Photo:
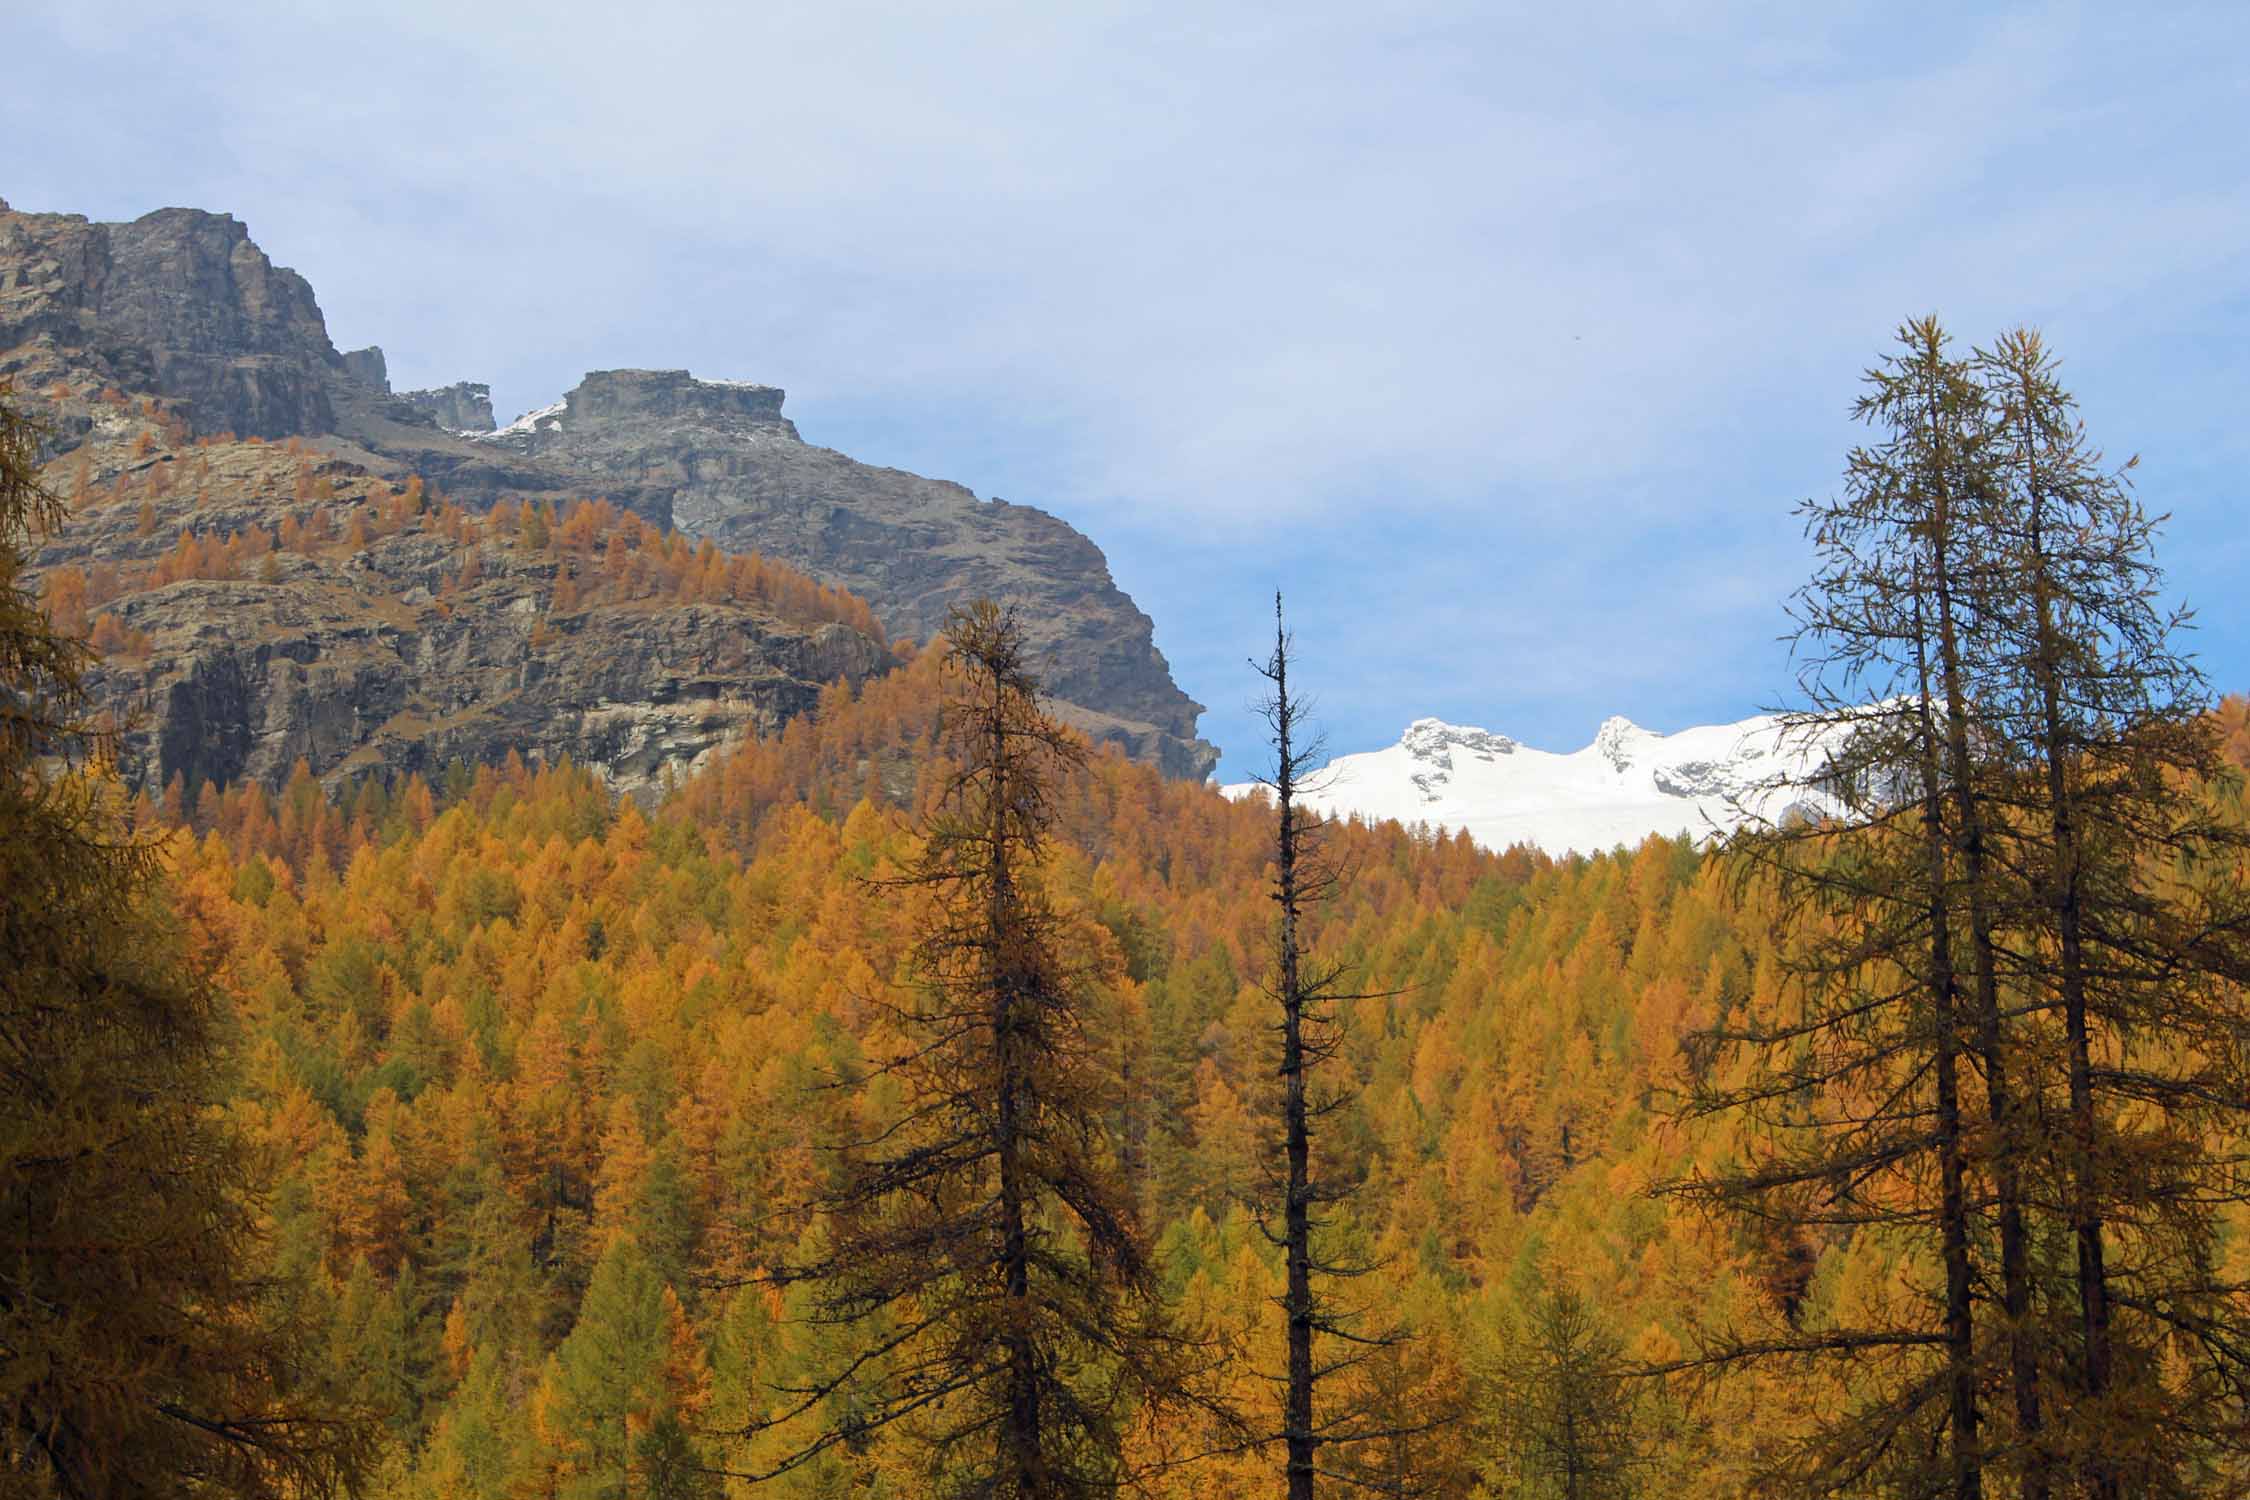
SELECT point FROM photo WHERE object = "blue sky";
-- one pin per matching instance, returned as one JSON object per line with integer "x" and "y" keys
{"x": 1502, "y": 338}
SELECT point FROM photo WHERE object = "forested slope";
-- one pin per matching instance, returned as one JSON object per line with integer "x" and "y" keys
{"x": 545, "y": 1075}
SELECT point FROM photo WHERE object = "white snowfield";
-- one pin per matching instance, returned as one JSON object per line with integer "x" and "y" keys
{"x": 1629, "y": 783}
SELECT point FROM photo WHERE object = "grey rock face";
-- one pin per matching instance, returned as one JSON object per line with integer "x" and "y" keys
{"x": 415, "y": 648}
{"x": 368, "y": 368}
{"x": 718, "y": 459}
{"x": 178, "y": 304}
{"x": 464, "y": 406}
{"x": 672, "y": 396}
{"x": 243, "y": 678}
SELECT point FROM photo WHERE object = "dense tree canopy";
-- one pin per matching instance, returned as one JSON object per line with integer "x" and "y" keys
{"x": 503, "y": 1115}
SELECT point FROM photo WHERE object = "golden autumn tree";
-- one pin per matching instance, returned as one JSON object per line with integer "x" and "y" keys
{"x": 140, "y": 1351}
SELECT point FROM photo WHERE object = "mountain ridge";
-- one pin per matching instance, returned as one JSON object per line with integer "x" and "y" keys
{"x": 180, "y": 307}
{"x": 1626, "y": 784}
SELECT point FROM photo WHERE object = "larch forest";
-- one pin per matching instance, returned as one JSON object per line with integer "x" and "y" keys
{"x": 921, "y": 1101}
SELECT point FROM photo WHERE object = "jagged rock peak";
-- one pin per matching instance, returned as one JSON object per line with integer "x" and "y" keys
{"x": 463, "y": 407}
{"x": 178, "y": 304}
{"x": 368, "y": 367}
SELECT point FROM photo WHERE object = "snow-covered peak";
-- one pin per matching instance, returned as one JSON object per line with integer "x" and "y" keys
{"x": 1628, "y": 783}
{"x": 1620, "y": 741}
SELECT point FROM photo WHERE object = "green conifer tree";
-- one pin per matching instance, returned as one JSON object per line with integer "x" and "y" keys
{"x": 605, "y": 1384}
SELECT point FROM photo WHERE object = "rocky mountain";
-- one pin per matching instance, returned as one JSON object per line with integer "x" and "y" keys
{"x": 1629, "y": 783}
{"x": 720, "y": 460}
{"x": 178, "y": 304}
{"x": 181, "y": 308}
{"x": 464, "y": 407}
{"x": 259, "y": 603}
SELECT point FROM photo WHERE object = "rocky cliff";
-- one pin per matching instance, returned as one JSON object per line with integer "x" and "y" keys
{"x": 182, "y": 308}
{"x": 720, "y": 460}
{"x": 178, "y": 304}
{"x": 259, "y": 603}
{"x": 462, "y": 407}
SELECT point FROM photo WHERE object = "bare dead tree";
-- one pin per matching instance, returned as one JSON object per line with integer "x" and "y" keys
{"x": 1325, "y": 1337}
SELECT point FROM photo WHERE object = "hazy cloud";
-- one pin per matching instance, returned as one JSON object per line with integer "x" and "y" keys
{"x": 1503, "y": 337}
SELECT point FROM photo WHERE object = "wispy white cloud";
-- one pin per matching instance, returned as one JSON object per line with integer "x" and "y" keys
{"x": 1523, "y": 324}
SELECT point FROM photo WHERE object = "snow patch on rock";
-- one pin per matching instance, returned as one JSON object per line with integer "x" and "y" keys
{"x": 1431, "y": 743}
{"x": 545, "y": 418}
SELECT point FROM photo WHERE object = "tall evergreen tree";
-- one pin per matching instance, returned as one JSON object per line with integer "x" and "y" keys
{"x": 1566, "y": 1415}
{"x": 986, "y": 1242}
{"x": 608, "y": 1403}
{"x": 1859, "y": 1086}
{"x": 1933, "y": 396}
{"x": 2131, "y": 934}
{"x": 1992, "y": 656}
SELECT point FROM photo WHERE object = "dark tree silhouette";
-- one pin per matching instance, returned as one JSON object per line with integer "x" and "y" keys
{"x": 2130, "y": 932}
{"x": 1325, "y": 1338}
{"x": 2029, "y": 812}
{"x": 985, "y": 1246}
{"x": 141, "y": 1350}
{"x": 1859, "y": 1084}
